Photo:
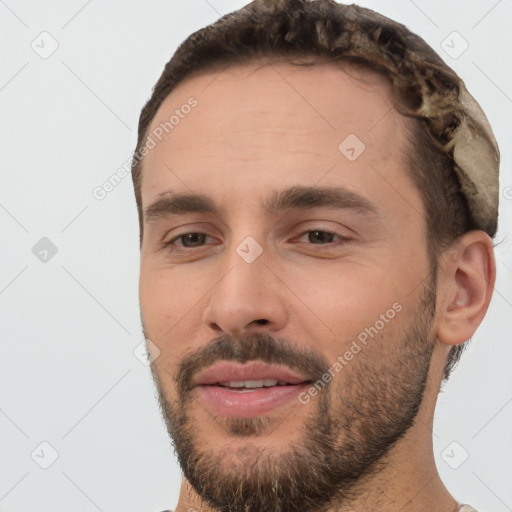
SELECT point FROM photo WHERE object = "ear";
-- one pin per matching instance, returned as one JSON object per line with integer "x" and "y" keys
{"x": 467, "y": 273}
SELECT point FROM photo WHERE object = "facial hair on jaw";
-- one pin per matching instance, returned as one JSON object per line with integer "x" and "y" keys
{"x": 357, "y": 420}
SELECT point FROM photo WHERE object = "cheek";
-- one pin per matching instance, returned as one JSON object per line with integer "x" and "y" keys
{"x": 345, "y": 294}
{"x": 166, "y": 293}
{"x": 159, "y": 305}
{"x": 170, "y": 306}
{"x": 354, "y": 304}
{"x": 154, "y": 298}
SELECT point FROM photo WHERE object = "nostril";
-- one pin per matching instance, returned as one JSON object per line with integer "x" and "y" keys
{"x": 262, "y": 321}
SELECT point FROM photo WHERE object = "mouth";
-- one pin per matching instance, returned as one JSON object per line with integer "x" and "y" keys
{"x": 248, "y": 390}
{"x": 252, "y": 385}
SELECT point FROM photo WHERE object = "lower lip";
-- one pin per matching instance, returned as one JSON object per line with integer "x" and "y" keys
{"x": 225, "y": 402}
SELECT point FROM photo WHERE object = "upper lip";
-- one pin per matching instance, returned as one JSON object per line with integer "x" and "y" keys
{"x": 227, "y": 371}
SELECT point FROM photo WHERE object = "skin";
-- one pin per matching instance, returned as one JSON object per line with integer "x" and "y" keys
{"x": 258, "y": 128}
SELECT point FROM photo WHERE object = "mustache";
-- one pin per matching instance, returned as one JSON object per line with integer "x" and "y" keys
{"x": 251, "y": 347}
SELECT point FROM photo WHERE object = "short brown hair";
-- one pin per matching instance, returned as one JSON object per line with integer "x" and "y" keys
{"x": 425, "y": 87}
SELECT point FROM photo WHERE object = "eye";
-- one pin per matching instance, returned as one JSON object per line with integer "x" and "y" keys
{"x": 190, "y": 240}
{"x": 315, "y": 237}
{"x": 324, "y": 236}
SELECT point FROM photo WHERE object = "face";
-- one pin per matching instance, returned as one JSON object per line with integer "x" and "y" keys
{"x": 290, "y": 298}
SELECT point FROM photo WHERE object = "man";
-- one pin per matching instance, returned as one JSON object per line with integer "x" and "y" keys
{"x": 317, "y": 194}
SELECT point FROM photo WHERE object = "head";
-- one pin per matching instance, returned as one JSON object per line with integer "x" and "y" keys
{"x": 291, "y": 119}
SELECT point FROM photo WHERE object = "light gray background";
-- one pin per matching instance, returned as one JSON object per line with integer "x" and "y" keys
{"x": 69, "y": 326}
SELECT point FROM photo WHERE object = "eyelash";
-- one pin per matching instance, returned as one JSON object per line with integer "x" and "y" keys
{"x": 343, "y": 239}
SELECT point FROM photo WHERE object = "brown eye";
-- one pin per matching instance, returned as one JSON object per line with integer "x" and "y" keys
{"x": 322, "y": 236}
{"x": 189, "y": 240}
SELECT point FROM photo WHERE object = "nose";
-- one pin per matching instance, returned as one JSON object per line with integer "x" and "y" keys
{"x": 247, "y": 297}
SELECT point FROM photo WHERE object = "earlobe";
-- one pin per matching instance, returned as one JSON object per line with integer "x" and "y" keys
{"x": 467, "y": 279}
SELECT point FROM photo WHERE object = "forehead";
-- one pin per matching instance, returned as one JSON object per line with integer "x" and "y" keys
{"x": 274, "y": 121}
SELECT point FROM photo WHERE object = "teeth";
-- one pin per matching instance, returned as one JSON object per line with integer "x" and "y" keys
{"x": 252, "y": 383}
{"x": 233, "y": 384}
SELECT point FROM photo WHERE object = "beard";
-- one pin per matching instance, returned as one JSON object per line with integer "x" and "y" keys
{"x": 353, "y": 423}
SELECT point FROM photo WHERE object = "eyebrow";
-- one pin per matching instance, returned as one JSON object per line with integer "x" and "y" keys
{"x": 298, "y": 197}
